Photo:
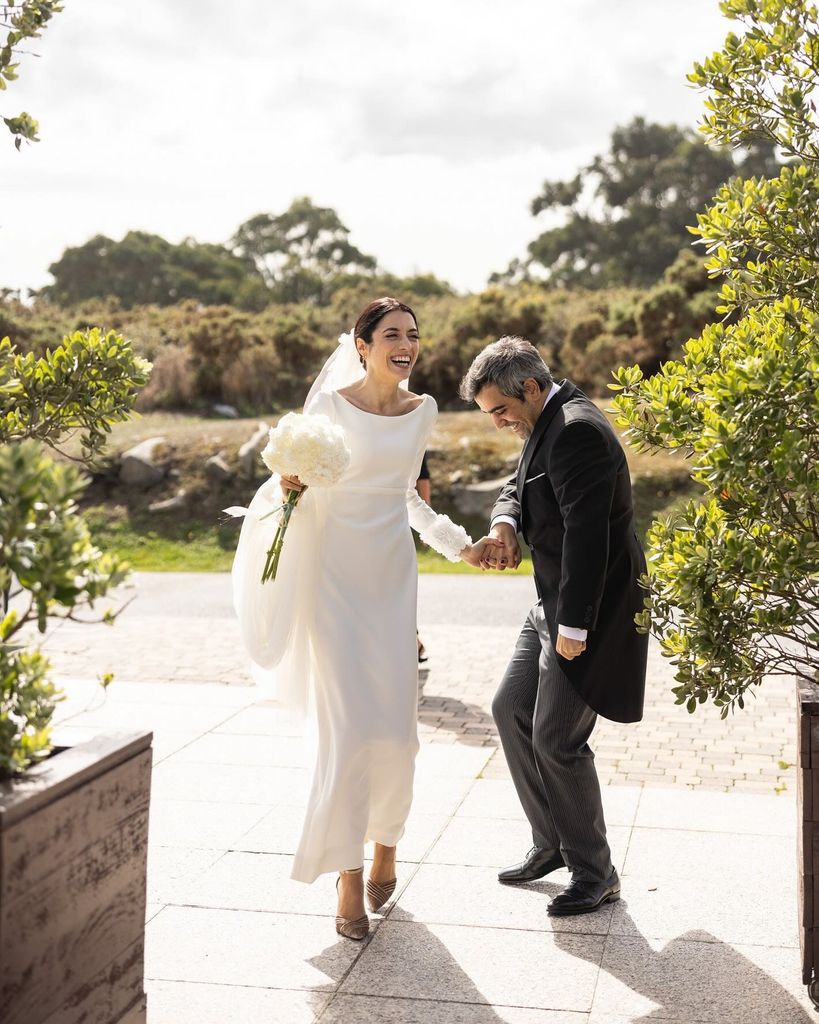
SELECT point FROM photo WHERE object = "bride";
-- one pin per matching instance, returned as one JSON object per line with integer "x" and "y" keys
{"x": 342, "y": 608}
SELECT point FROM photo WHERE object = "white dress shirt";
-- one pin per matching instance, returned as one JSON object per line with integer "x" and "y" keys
{"x": 570, "y": 632}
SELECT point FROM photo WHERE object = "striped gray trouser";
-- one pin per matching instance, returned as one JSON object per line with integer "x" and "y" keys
{"x": 544, "y": 727}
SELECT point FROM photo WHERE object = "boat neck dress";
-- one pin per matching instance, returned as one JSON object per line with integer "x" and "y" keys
{"x": 361, "y": 630}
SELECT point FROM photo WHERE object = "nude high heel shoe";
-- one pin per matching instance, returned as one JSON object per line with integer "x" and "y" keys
{"x": 358, "y": 929}
{"x": 379, "y": 892}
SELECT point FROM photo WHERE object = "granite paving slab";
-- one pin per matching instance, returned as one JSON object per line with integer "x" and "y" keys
{"x": 497, "y": 798}
{"x": 172, "y": 868}
{"x": 447, "y": 894}
{"x": 280, "y": 829}
{"x": 233, "y": 748}
{"x": 376, "y": 1010}
{"x": 177, "y": 779}
{"x": 499, "y": 843}
{"x": 708, "y": 811}
{"x": 245, "y": 947}
{"x": 263, "y": 718}
{"x": 173, "y": 1002}
{"x": 213, "y": 824}
{"x": 478, "y": 965}
{"x": 439, "y": 794}
{"x": 719, "y": 903}
{"x": 261, "y": 882}
{"x": 684, "y": 856}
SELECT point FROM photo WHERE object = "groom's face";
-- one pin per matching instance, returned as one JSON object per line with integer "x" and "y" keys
{"x": 508, "y": 413}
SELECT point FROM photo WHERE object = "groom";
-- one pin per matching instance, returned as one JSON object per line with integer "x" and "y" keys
{"x": 579, "y": 653}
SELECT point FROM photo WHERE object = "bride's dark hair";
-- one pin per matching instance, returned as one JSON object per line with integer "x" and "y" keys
{"x": 375, "y": 313}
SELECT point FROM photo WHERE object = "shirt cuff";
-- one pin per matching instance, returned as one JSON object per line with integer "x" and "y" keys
{"x": 504, "y": 519}
{"x": 572, "y": 633}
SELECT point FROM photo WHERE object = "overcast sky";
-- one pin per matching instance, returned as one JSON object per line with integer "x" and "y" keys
{"x": 429, "y": 126}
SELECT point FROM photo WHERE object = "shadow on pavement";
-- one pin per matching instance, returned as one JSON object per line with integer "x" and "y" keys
{"x": 424, "y": 962}
{"x": 692, "y": 977}
{"x": 469, "y": 723}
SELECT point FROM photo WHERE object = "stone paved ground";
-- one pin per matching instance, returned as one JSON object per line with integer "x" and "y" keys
{"x": 179, "y": 628}
{"x": 706, "y": 930}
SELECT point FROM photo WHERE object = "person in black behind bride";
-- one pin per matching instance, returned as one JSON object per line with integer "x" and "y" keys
{"x": 424, "y": 487}
{"x": 579, "y": 653}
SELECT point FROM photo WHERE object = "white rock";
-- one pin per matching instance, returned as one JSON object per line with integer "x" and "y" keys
{"x": 138, "y": 467}
{"x": 477, "y": 499}
{"x": 169, "y": 504}
{"x": 249, "y": 462}
{"x": 225, "y": 410}
{"x": 217, "y": 469}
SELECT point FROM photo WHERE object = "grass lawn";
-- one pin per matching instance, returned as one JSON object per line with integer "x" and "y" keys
{"x": 196, "y": 548}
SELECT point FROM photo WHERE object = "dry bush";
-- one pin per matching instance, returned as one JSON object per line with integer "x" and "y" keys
{"x": 252, "y": 382}
{"x": 172, "y": 384}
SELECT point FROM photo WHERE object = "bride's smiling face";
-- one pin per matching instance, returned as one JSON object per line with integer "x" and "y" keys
{"x": 393, "y": 351}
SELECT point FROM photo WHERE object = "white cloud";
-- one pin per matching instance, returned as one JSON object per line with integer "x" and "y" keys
{"x": 429, "y": 127}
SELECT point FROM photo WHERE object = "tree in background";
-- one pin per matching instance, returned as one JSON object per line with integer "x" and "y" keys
{"x": 143, "y": 268}
{"x": 24, "y": 21}
{"x": 302, "y": 253}
{"x": 301, "y": 256}
{"x": 643, "y": 326}
{"x": 628, "y": 211}
{"x": 733, "y": 590}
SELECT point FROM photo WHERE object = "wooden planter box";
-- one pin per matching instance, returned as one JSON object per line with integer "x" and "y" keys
{"x": 807, "y": 754}
{"x": 73, "y": 858}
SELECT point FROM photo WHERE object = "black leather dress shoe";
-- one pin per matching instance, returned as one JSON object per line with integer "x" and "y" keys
{"x": 583, "y": 897}
{"x": 536, "y": 864}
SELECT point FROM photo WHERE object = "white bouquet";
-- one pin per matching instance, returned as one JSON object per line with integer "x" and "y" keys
{"x": 312, "y": 448}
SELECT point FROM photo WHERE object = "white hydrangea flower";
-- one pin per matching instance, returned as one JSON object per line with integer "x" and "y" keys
{"x": 313, "y": 448}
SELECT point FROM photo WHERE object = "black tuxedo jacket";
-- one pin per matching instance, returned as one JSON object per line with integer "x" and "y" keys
{"x": 571, "y": 497}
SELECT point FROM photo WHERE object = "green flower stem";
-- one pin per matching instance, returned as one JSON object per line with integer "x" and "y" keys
{"x": 271, "y": 565}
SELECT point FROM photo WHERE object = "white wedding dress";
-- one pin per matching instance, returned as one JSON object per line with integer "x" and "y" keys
{"x": 342, "y": 611}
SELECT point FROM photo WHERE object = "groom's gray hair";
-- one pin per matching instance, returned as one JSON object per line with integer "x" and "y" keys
{"x": 506, "y": 363}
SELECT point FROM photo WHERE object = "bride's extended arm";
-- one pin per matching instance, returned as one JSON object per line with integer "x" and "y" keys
{"x": 438, "y": 531}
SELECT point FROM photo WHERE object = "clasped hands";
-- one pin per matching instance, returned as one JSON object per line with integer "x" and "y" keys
{"x": 500, "y": 550}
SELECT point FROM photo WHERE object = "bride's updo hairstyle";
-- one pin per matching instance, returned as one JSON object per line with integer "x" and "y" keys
{"x": 374, "y": 314}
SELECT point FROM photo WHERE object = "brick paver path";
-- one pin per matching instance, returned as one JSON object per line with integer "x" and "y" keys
{"x": 180, "y": 628}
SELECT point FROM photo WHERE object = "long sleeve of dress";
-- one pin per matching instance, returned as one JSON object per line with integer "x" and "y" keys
{"x": 437, "y": 530}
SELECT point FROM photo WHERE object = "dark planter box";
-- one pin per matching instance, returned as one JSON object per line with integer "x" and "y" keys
{"x": 73, "y": 859}
{"x": 807, "y": 768}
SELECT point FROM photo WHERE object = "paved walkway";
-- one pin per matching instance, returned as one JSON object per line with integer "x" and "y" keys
{"x": 706, "y": 929}
{"x": 180, "y": 628}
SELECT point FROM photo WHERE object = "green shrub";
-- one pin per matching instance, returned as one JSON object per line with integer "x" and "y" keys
{"x": 733, "y": 590}
{"x": 48, "y": 565}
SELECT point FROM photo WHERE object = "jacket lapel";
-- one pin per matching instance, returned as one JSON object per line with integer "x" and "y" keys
{"x": 567, "y": 391}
